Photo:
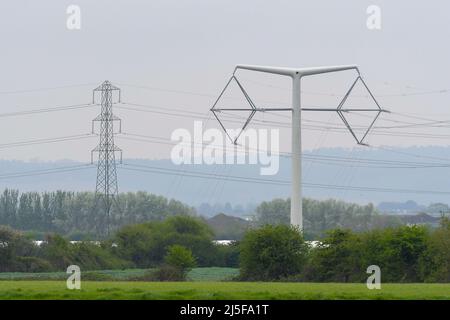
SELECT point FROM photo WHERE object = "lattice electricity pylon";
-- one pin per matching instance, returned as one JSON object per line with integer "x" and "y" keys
{"x": 296, "y": 75}
{"x": 106, "y": 190}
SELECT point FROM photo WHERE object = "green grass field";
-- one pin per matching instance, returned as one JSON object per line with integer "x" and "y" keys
{"x": 196, "y": 274}
{"x": 21, "y": 289}
{"x": 204, "y": 283}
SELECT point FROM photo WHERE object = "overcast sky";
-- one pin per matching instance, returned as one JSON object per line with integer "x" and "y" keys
{"x": 189, "y": 49}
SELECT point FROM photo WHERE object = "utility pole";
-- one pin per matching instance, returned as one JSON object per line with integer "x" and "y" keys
{"x": 106, "y": 190}
{"x": 296, "y": 74}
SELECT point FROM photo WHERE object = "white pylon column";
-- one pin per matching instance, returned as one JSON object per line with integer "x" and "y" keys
{"x": 296, "y": 193}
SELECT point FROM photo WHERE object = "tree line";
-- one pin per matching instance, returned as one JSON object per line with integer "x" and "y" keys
{"x": 75, "y": 213}
{"x": 319, "y": 216}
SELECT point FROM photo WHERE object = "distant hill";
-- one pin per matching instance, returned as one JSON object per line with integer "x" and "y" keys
{"x": 409, "y": 207}
{"x": 400, "y": 207}
{"x": 420, "y": 219}
{"x": 228, "y": 227}
{"x": 361, "y": 167}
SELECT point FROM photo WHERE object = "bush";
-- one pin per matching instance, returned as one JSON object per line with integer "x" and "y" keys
{"x": 180, "y": 257}
{"x": 138, "y": 243}
{"x": 13, "y": 245}
{"x": 167, "y": 273}
{"x": 90, "y": 256}
{"x": 58, "y": 251}
{"x": 146, "y": 244}
{"x": 33, "y": 264}
{"x": 227, "y": 255}
{"x": 272, "y": 253}
{"x": 337, "y": 259}
{"x": 192, "y": 233}
{"x": 344, "y": 255}
{"x": 397, "y": 251}
{"x": 435, "y": 263}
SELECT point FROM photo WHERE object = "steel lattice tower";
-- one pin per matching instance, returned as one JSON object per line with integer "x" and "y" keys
{"x": 106, "y": 190}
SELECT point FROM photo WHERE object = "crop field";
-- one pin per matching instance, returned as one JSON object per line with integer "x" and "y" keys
{"x": 36, "y": 289}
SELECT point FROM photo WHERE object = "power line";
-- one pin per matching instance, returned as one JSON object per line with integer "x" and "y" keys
{"x": 314, "y": 158}
{"x": 159, "y": 170}
{"x": 429, "y": 122}
{"x": 46, "y": 110}
{"x": 335, "y": 128}
{"x": 45, "y": 171}
{"x": 192, "y": 114}
{"x": 410, "y": 154}
{"x": 184, "y": 112}
{"x": 400, "y": 94}
{"x": 45, "y": 89}
{"x": 345, "y": 161}
{"x": 331, "y": 94}
{"x": 45, "y": 140}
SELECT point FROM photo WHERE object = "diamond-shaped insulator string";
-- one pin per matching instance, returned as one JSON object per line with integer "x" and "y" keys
{"x": 343, "y": 112}
{"x": 218, "y": 110}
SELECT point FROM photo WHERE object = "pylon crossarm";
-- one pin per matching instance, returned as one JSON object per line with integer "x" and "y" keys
{"x": 291, "y": 72}
{"x": 106, "y": 85}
